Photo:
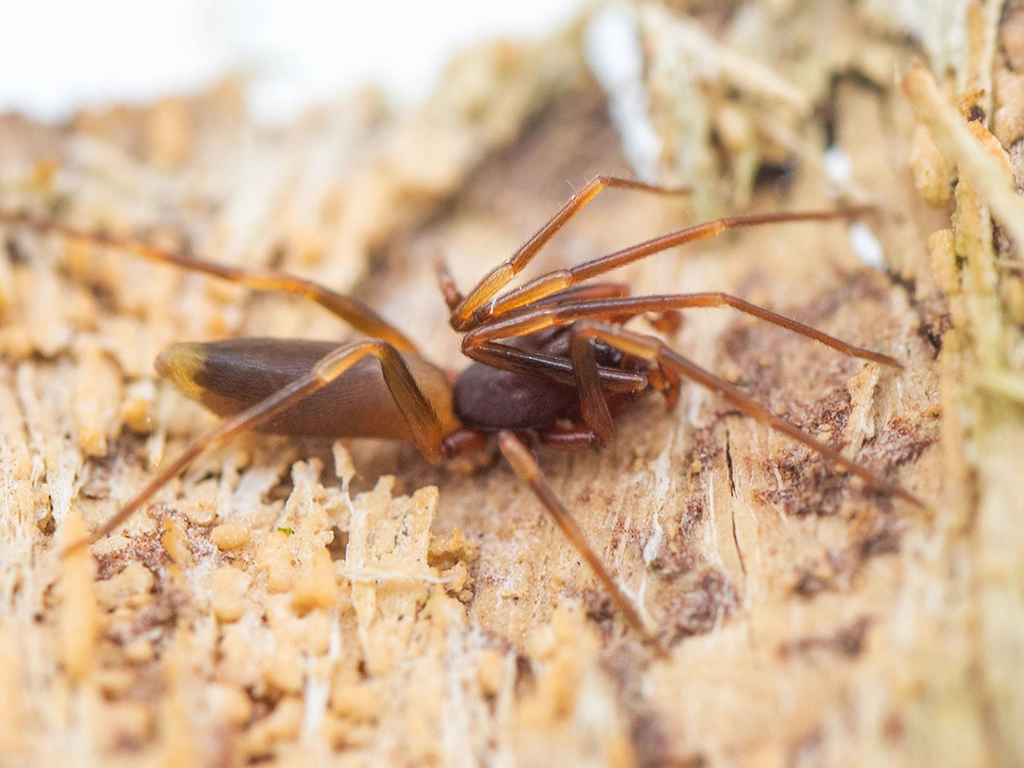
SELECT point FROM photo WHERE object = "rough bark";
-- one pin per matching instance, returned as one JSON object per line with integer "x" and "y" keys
{"x": 351, "y": 604}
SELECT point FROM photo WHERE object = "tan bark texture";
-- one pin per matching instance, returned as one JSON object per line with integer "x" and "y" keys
{"x": 298, "y": 602}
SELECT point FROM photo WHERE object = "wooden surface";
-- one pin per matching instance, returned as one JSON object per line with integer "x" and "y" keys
{"x": 307, "y": 603}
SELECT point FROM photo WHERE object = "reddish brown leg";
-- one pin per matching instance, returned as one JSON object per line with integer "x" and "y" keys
{"x": 464, "y": 441}
{"x": 558, "y": 369}
{"x": 352, "y": 311}
{"x": 593, "y": 406}
{"x": 529, "y": 320}
{"x": 594, "y": 409}
{"x": 666, "y": 381}
{"x": 591, "y": 292}
{"x": 500, "y": 276}
{"x": 572, "y": 439}
{"x": 558, "y": 280}
{"x": 446, "y": 283}
{"x": 653, "y": 349}
{"x": 422, "y": 420}
{"x": 526, "y": 468}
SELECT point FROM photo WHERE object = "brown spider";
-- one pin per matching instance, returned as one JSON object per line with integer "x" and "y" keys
{"x": 546, "y": 353}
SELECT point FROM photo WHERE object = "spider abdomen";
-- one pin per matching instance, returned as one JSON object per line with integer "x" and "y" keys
{"x": 234, "y": 374}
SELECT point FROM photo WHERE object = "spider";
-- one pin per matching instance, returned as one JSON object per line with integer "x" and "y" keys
{"x": 552, "y": 360}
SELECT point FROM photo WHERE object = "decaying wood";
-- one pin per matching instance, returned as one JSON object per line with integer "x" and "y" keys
{"x": 349, "y": 604}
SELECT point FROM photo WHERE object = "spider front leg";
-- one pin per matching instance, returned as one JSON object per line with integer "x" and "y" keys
{"x": 550, "y": 313}
{"x": 552, "y": 283}
{"x": 525, "y": 466}
{"x": 653, "y": 349}
{"x": 590, "y": 380}
{"x": 463, "y": 308}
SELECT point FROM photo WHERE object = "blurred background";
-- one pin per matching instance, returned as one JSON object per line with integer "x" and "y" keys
{"x": 292, "y": 54}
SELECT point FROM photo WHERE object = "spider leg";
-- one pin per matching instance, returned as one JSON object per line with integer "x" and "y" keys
{"x": 591, "y": 292}
{"x": 558, "y": 280}
{"x": 593, "y": 406}
{"x": 500, "y": 276}
{"x": 570, "y": 439}
{"x": 351, "y": 310}
{"x": 595, "y": 411}
{"x": 590, "y": 381}
{"x": 549, "y": 314}
{"x": 509, "y": 358}
{"x": 422, "y": 420}
{"x": 667, "y": 382}
{"x": 524, "y": 465}
{"x": 446, "y": 283}
{"x": 653, "y": 349}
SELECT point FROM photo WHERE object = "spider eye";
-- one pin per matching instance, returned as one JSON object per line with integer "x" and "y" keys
{"x": 606, "y": 355}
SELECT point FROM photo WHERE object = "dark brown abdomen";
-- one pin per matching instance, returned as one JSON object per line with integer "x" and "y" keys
{"x": 232, "y": 375}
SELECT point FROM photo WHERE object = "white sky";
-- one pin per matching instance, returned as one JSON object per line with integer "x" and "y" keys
{"x": 57, "y": 55}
